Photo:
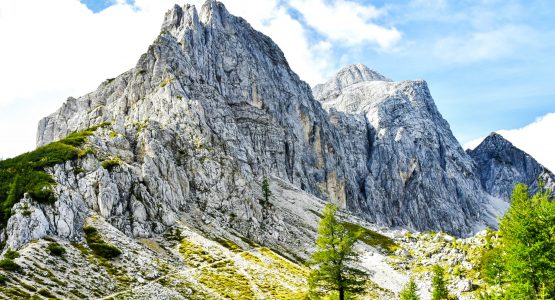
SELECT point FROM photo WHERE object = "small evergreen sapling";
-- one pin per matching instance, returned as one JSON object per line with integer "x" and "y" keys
{"x": 410, "y": 291}
{"x": 266, "y": 190}
{"x": 438, "y": 284}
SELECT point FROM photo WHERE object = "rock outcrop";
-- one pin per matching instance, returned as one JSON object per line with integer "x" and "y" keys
{"x": 501, "y": 165}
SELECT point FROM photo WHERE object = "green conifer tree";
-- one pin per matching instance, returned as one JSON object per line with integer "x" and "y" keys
{"x": 410, "y": 291}
{"x": 527, "y": 237}
{"x": 332, "y": 258}
{"x": 438, "y": 284}
{"x": 266, "y": 189}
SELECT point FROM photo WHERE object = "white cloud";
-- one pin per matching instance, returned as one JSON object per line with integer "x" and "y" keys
{"x": 55, "y": 49}
{"x": 485, "y": 45}
{"x": 346, "y": 22}
{"x": 535, "y": 139}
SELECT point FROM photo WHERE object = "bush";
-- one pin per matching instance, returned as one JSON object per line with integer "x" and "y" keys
{"x": 56, "y": 249}
{"x": 11, "y": 254}
{"x": 104, "y": 250}
{"x": 3, "y": 279}
{"x": 97, "y": 244}
{"x": 8, "y": 265}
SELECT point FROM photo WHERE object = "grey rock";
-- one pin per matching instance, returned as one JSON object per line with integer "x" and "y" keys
{"x": 501, "y": 166}
{"x": 415, "y": 174}
{"x": 464, "y": 286}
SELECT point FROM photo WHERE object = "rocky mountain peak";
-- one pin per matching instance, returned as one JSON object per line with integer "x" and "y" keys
{"x": 212, "y": 13}
{"x": 501, "y": 165}
{"x": 346, "y": 77}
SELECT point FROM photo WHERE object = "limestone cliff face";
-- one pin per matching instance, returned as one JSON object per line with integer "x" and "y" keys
{"x": 501, "y": 165}
{"x": 415, "y": 173}
{"x": 213, "y": 106}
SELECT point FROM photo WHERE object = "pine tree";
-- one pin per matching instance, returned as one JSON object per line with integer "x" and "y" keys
{"x": 333, "y": 257}
{"x": 266, "y": 189}
{"x": 526, "y": 233}
{"x": 410, "y": 291}
{"x": 438, "y": 284}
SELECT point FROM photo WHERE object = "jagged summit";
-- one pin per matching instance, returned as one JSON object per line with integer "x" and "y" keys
{"x": 187, "y": 17}
{"x": 501, "y": 165}
{"x": 346, "y": 77}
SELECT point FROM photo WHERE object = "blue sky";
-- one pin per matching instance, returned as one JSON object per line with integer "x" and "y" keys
{"x": 490, "y": 64}
{"x": 97, "y": 6}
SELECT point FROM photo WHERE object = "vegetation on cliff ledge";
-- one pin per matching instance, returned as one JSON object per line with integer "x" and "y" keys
{"x": 26, "y": 173}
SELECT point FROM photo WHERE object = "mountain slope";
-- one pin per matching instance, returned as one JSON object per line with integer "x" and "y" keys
{"x": 502, "y": 165}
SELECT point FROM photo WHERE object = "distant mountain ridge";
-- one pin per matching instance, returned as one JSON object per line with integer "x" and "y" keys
{"x": 501, "y": 165}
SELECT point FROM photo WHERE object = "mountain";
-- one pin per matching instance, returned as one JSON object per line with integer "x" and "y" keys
{"x": 152, "y": 182}
{"x": 501, "y": 165}
{"x": 213, "y": 106}
{"x": 415, "y": 173}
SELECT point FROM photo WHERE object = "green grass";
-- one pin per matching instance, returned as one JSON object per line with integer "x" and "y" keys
{"x": 373, "y": 238}
{"x": 26, "y": 173}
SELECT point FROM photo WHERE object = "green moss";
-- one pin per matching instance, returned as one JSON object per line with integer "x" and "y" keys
{"x": 56, "y": 249}
{"x": 373, "y": 238}
{"x": 109, "y": 164}
{"x": 113, "y": 134}
{"x": 11, "y": 254}
{"x": 8, "y": 265}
